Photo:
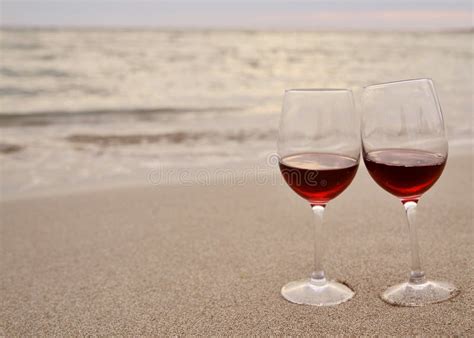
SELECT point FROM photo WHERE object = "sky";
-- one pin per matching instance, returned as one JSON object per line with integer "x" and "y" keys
{"x": 255, "y": 14}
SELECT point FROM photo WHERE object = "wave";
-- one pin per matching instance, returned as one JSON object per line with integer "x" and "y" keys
{"x": 173, "y": 137}
{"x": 43, "y": 118}
{"x": 22, "y": 46}
{"x": 16, "y": 91}
{"x": 47, "y": 72}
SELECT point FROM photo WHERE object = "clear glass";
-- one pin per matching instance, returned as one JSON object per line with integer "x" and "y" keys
{"x": 319, "y": 150}
{"x": 405, "y": 150}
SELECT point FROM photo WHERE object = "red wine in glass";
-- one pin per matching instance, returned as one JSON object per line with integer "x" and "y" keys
{"x": 318, "y": 177}
{"x": 319, "y": 149}
{"x": 405, "y": 151}
{"x": 405, "y": 173}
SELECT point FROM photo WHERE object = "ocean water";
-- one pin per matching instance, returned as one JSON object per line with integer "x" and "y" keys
{"x": 79, "y": 106}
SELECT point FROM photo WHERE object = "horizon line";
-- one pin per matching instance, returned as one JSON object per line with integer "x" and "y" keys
{"x": 466, "y": 29}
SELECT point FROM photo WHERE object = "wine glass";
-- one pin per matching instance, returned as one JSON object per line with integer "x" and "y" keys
{"x": 319, "y": 150}
{"x": 405, "y": 151}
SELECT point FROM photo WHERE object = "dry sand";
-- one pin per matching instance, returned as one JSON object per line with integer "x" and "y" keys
{"x": 203, "y": 260}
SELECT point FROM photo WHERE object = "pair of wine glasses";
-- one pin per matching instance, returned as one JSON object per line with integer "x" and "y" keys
{"x": 404, "y": 148}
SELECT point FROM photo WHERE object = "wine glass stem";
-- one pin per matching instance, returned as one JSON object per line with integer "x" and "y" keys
{"x": 417, "y": 276}
{"x": 318, "y": 277}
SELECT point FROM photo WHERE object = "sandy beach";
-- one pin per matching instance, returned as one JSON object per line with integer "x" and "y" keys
{"x": 140, "y": 189}
{"x": 175, "y": 260}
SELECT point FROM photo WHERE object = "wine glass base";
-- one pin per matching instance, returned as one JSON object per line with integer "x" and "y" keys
{"x": 308, "y": 292}
{"x": 410, "y": 294}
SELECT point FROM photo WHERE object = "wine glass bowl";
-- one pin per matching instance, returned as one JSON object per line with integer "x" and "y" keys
{"x": 318, "y": 177}
{"x": 319, "y": 147}
{"x": 405, "y": 151}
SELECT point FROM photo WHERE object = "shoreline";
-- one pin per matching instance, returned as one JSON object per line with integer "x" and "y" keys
{"x": 227, "y": 173}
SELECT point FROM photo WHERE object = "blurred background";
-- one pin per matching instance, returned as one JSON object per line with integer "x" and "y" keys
{"x": 104, "y": 92}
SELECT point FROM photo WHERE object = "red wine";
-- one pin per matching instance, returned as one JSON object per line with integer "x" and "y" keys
{"x": 405, "y": 173}
{"x": 318, "y": 177}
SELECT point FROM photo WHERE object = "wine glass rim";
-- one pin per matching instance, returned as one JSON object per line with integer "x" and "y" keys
{"x": 399, "y": 81}
{"x": 317, "y": 90}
